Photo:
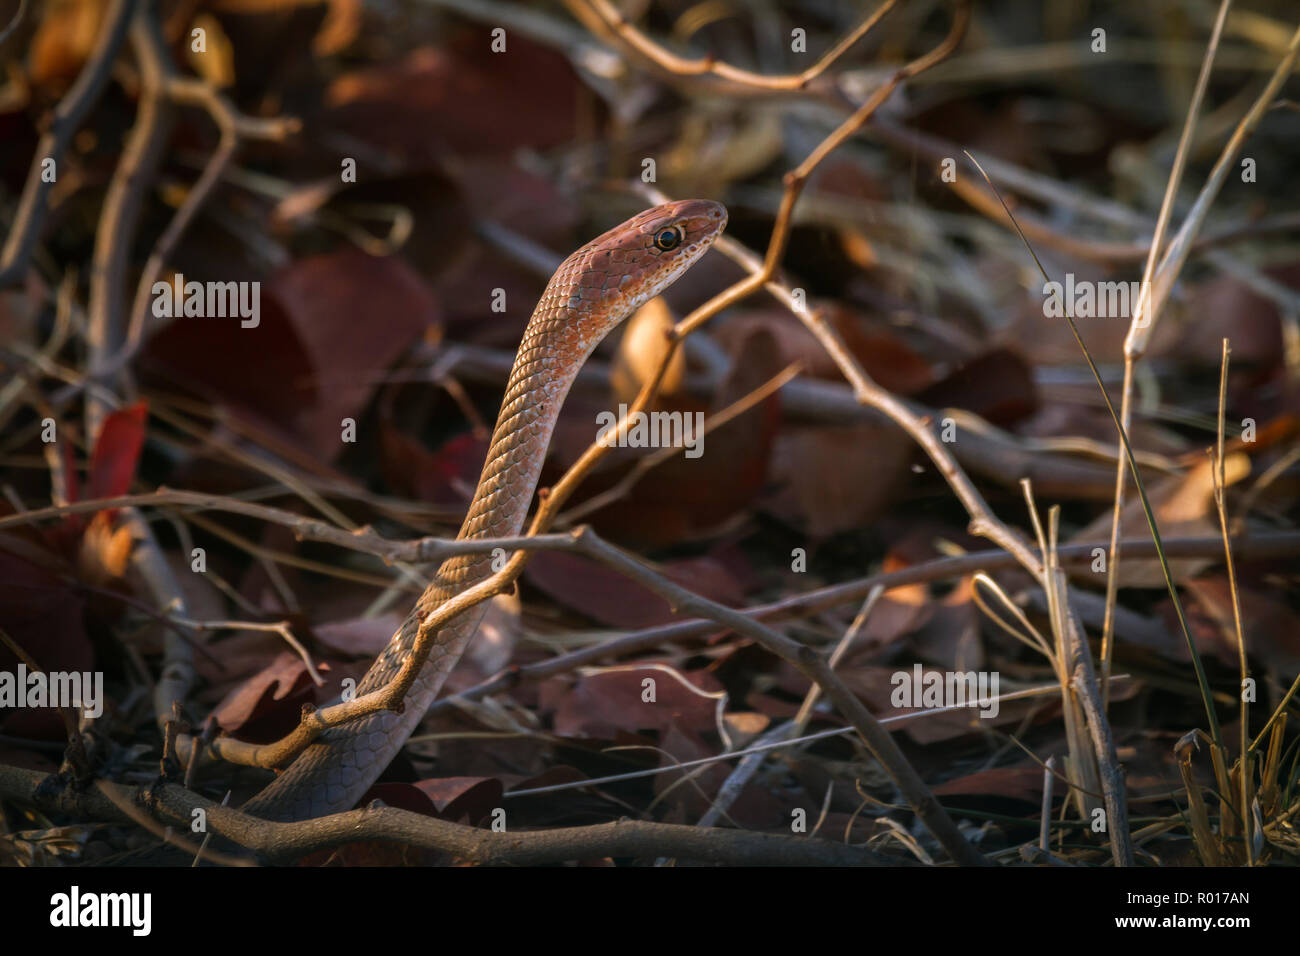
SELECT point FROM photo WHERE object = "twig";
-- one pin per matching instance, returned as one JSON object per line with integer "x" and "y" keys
{"x": 777, "y": 741}
{"x": 1112, "y": 776}
{"x": 178, "y": 670}
{"x": 283, "y": 628}
{"x": 17, "y": 20}
{"x": 795, "y": 179}
{"x": 392, "y": 695}
{"x": 603, "y": 18}
{"x": 65, "y": 712}
{"x": 646, "y": 463}
{"x": 1045, "y": 824}
{"x": 234, "y": 127}
{"x": 735, "y": 783}
{"x": 115, "y": 233}
{"x": 1144, "y": 312}
{"x": 869, "y": 394}
{"x": 1072, "y": 199}
{"x": 1116, "y": 252}
{"x": 121, "y": 800}
{"x": 980, "y": 448}
{"x": 1083, "y": 768}
{"x": 1175, "y": 256}
{"x": 1220, "y": 501}
{"x": 584, "y": 541}
{"x": 1034, "y": 854}
{"x": 1258, "y": 545}
{"x": 1157, "y": 290}
{"x": 68, "y": 116}
{"x": 285, "y": 842}
{"x": 1070, "y": 631}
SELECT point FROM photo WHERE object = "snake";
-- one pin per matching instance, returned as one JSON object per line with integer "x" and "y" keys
{"x": 590, "y": 294}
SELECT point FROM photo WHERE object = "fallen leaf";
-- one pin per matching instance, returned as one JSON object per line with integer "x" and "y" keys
{"x": 104, "y": 552}
{"x": 1271, "y": 629}
{"x": 117, "y": 451}
{"x": 601, "y": 704}
{"x": 641, "y": 350}
{"x": 273, "y": 689}
{"x": 1015, "y": 783}
{"x": 446, "y": 477}
{"x": 472, "y": 799}
{"x": 359, "y": 636}
{"x": 615, "y": 600}
{"x": 837, "y": 478}
{"x": 997, "y": 385}
{"x": 44, "y": 616}
{"x": 684, "y": 498}
{"x": 63, "y": 41}
{"x": 1183, "y": 506}
{"x": 216, "y": 61}
{"x": 876, "y": 686}
{"x": 328, "y": 300}
{"x": 453, "y": 97}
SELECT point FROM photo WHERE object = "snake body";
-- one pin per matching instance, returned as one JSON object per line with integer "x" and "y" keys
{"x": 591, "y": 292}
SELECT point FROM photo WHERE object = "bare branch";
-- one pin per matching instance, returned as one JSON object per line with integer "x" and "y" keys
{"x": 174, "y": 806}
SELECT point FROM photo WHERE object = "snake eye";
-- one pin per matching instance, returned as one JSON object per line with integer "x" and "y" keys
{"x": 667, "y": 239}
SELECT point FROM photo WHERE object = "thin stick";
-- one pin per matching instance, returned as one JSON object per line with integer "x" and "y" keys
{"x": 1220, "y": 501}
{"x": 68, "y": 116}
{"x": 1142, "y": 315}
{"x": 604, "y": 18}
{"x": 174, "y": 806}
{"x": 1045, "y": 819}
{"x": 1201, "y": 679}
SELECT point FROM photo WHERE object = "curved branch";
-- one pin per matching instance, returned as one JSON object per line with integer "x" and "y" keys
{"x": 602, "y": 17}
{"x": 174, "y": 806}
{"x": 68, "y": 116}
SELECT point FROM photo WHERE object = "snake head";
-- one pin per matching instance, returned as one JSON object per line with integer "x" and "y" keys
{"x": 604, "y": 281}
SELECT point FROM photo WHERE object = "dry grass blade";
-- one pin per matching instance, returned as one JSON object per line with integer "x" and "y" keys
{"x": 1201, "y": 680}
{"x": 1144, "y": 313}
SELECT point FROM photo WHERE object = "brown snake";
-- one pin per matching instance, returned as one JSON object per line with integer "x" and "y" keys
{"x": 591, "y": 292}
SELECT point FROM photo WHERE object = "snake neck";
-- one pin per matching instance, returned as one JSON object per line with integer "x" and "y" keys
{"x": 539, "y": 382}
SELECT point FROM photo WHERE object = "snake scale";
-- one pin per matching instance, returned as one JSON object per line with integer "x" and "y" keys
{"x": 592, "y": 291}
